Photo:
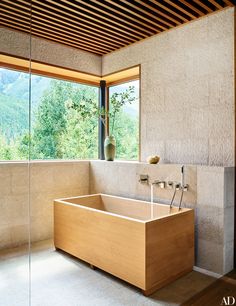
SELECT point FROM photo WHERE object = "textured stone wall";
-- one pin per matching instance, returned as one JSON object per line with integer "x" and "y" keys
{"x": 211, "y": 193}
{"x": 48, "y": 181}
{"x": 187, "y": 91}
{"x": 18, "y": 44}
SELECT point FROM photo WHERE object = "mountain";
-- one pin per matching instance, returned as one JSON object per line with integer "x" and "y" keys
{"x": 14, "y": 100}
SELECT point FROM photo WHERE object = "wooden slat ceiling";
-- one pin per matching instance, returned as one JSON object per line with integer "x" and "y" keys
{"x": 102, "y": 26}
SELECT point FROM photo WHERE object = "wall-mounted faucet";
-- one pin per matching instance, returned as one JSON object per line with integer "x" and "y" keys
{"x": 144, "y": 179}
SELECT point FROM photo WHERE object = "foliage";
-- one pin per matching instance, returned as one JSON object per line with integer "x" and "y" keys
{"x": 117, "y": 102}
{"x": 8, "y": 151}
{"x": 126, "y": 132}
{"x": 87, "y": 108}
{"x": 13, "y": 120}
{"x": 64, "y": 122}
{"x": 50, "y": 122}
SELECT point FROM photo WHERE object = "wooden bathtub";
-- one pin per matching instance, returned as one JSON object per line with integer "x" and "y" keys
{"x": 118, "y": 235}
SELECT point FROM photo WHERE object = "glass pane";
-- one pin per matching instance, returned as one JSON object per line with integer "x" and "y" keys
{"x": 14, "y": 188}
{"x": 14, "y": 115}
{"x": 124, "y": 122}
{"x": 58, "y": 130}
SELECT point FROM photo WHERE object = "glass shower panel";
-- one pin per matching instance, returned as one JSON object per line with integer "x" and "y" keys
{"x": 14, "y": 161}
{"x": 14, "y": 187}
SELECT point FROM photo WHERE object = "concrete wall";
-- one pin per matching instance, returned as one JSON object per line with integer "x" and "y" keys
{"x": 48, "y": 181}
{"x": 187, "y": 91}
{"x": 210, "y": 194}
{"x": 18, "y": 44}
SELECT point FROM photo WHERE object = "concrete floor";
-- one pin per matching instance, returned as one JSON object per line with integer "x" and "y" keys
{"x": 58, "y": 279}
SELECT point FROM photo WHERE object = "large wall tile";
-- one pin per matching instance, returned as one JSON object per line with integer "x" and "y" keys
{"x": 210, "y": 186}
{"x": 209, "y": 256}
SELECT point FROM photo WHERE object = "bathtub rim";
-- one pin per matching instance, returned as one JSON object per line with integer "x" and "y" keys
{"x": 182, "y": 211}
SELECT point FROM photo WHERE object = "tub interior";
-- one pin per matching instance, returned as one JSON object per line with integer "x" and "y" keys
{"x": 125, "y": 207}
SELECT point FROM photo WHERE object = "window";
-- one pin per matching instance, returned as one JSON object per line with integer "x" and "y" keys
{"x": 57, "y": 129}
{"x": 125, "y": 126}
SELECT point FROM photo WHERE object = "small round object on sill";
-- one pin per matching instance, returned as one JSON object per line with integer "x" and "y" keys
{"x": 153, "y": 159}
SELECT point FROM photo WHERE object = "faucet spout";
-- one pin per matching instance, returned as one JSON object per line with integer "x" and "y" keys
{"x": 161, "y": 184}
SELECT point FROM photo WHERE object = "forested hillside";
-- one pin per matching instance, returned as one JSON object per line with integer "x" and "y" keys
{"x": 14, "y": 100}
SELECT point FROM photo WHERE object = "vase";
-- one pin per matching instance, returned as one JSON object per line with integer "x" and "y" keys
{"x": 110, "y": 148}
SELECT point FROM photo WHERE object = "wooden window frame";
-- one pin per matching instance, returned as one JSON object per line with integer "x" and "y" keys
{"x": 67, "y": 74}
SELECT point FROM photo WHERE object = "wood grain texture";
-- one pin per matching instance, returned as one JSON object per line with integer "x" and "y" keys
{"x": 169, "y": 248}
{"x": 103, "y": 26}
{"x": 116, "y": 235}
{"x": 115, "y": 245}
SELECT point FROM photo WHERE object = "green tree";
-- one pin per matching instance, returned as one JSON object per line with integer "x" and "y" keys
{"x": 50, "y": 122}
{"x": 58, "y": 132}
{"x": 8, "y": 150}
{"x": 126, "y": 132}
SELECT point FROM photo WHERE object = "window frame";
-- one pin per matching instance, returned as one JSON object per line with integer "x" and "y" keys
{"x": 67, "y": 74}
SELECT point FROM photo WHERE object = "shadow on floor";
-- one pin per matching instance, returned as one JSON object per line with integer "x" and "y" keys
{"x": 213, "y": 295}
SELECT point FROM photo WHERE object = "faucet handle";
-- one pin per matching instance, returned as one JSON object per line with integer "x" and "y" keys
{"x": 173, "y": 185}
{"x": 143, "y": 178}
{"x": 178, "y": 186}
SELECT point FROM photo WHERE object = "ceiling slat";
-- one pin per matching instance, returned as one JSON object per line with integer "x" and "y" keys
{"x": 107, "y": 6}
{"x": 36, "y": 19}
{"x": 119, "y": 5}
{"x": 65, "y": 20}
{"x": 55, "y": 29}
{"x": 100, "y": 10}
{"x": 107, "y": 22}
{"x": 170, "y": 10}
{"x": 119, "y": 32}
{"x": 207, "y": 8}
{"x": 178, "y": 7}
{"x": 193, "y": 8}
{"x": 102, "y": 26}
{"x": 216, "y": 4}
{"x": 229, "y": 3}
{"x": 145, "y": 12}
{"x": 70, "y": 24}
{"x": 107, "y": 18}
{"x": 158, "y": 12}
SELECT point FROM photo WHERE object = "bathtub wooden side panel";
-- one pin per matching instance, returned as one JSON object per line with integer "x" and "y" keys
{"x": 113, "y": 244}
{"x": 169, "y": 249}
